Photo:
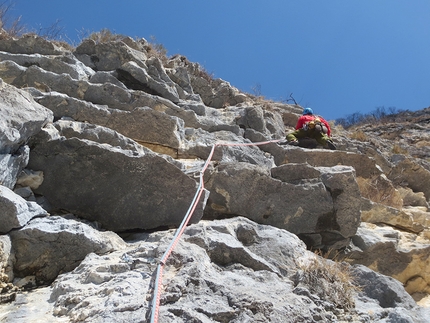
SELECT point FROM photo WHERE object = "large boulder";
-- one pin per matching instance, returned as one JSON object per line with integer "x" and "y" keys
{"x": 215, "y": 93}
{"x": 380, "y": 189}
{"x": 363, "y": 165}
{"x": 10, "y": 70}
{"x": 322, "y": 205}
{"x": 120, "y": 189}
{"x": 47, "y": 247}
{"x": 93, "y": 132}
{"x": 160, "y": 128}
{"x": 11, "y": 166}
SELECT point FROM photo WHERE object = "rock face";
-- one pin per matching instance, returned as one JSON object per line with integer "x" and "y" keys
{"x": 224, "y": 271}
{"x": 110, "y": 138}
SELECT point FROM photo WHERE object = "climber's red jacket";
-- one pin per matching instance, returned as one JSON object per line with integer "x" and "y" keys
{"x": 309, "y": 117}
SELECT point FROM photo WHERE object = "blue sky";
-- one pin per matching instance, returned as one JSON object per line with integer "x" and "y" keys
{"x": 335, "y": 56}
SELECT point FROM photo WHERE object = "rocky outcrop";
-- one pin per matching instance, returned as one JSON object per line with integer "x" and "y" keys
{"x": 109, "y": 137}
{"x": 224, "y": 271}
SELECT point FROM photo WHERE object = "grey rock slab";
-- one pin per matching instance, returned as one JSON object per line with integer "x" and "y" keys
{"x": 139, "y": 78}
{"x": 364, "y": 166}
{"x": 30, "y": 44}
{"x": 323, "y": 207}
{"x": 108, "y": 56}
{"x": 387, "y": 291}
{"x": 47, "y": 247}
{"x": 120, "y": 189}
{"x": 11, "y": 166}
{"x": 58, "y": 64}
{"x": 20, "y": 117}
{"x": 15, "y": 212}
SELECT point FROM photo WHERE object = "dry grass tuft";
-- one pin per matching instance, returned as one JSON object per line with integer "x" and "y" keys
{"x": 330, "y": 280}
{"x": 397, "y": 149}
{"x": 359, "y": 135}
{"x": 157, "y": 50}
{"x": 104, "y": 36}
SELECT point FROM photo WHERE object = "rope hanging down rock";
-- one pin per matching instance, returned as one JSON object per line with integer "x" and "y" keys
{"x": 159, "y": 276}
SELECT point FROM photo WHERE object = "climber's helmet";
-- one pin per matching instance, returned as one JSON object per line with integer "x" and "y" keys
{"x": 308, "y": 111}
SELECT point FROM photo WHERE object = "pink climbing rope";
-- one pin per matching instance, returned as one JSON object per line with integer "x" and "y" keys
{"x": 159, "y": 277}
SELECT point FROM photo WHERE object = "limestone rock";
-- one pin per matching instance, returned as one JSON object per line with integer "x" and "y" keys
{"x": 215, "y": 93}
{"x": 409, "y": 219}
{"x": 99, "y": 134}
{"x": 132, "y": 132}
{"x": 317, "y": 208}
{"x": 30, "y": 44}
{"x": 363, "y": 165}
{"x": 9, "y": 71}
{"x": 149, "y": 192}
{"x": 226, "y": 271}
{"x": 380, "y": 189}
{"x": 401, "y": 255}
{"x": 102, "y": 77}
{"x": 159, "y": 128}
{"x": 47, "y": 247}
{"x": 411, "y": 198}
{"x": 59, "y": 64}
{"x": 388, "y": 292}
{"x": 108, "y": 56}
{"x": 15, "y": 212}
{"x": 12, "y": 165}
{"x": 409, "y": 173}
{"x": 20, "y": 118}
{"x": 138, "y": 78}
{"x": 199, "y": 144}
{"x": 6, "y": 257}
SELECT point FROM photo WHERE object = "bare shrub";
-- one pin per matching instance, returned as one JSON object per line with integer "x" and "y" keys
{"x": 157, "y": 50}
{"x": 52, "y": 32}
{"x": 203, "y": 73}
{"x": 9, "y": 27}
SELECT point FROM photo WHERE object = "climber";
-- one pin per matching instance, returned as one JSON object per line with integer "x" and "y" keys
{"x": 313, "y": 126}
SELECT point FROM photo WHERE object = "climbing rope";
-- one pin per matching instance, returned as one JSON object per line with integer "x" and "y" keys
{"x": 159, "y": 276}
